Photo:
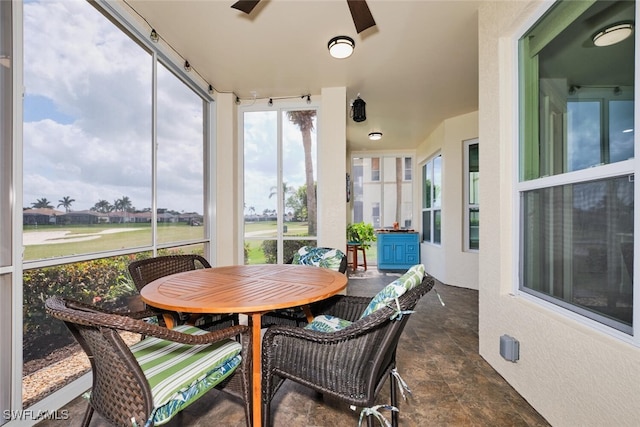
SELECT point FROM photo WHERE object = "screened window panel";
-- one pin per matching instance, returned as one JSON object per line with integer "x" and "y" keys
{"x": 87, "y": 132}
{"x": 578, "y": 240}
{"x": 180, "y": 153}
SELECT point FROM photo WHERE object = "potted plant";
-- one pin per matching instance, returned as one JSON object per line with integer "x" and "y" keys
{"x": 361, "y": 233}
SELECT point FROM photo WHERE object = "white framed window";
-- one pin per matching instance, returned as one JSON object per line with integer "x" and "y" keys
{"x": 408, "y": 168}
{"x": 577, "y": 163}
{"x": 375, "y": 169}
{"x": 471, "y": 203}
{"x": 432, "y": 200}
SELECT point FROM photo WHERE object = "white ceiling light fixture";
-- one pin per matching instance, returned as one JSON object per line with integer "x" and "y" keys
{"x": 613, "y": 34}
{"x": 375, "y": 136}
{"x": 341, "y": 47}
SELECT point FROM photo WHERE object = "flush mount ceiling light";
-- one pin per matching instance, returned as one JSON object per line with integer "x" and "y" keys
{"x": 341, "y": 47}
{"x": 613, "y": 34}
{"x": 375, "y": 136}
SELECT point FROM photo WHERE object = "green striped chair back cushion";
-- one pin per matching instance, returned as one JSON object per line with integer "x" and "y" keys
{"x": 179, "y": 373}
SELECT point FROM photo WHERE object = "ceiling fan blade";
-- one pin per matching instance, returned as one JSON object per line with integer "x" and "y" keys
{"x": 361, "y": 15}
{"x": 245, "y": 6}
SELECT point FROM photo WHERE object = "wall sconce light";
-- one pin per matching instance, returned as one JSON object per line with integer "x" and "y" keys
{"x": 270, "y": 102}
{"x": 358, "y": 112}
{"x": 187, "y": 66}
{"x": 210, "y": 90}
{"x": 237, "y": 100}
{"x": 341, "y": 47}
{"x": 308, "y": 99}
{"x": 613, "y": 34}
{"x": 154, "y": 36}
{"x": 375, "y": 136}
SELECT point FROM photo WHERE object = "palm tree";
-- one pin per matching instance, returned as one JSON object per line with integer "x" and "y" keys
{"x": 102, "y": 206}
{"x": 285, "y": 190}
{"x": 124, "y": 203}
{"x": 66, "y": 202}
{"x": 42, "y": 204}
{"x": 304, "y": 121}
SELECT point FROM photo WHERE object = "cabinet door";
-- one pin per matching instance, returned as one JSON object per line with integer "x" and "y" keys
{"x": 399, "y": 251}
{"x": 385, "y": 250}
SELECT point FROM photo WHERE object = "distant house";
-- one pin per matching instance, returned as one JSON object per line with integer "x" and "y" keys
{"x": 141, "y": 217}
{"x": 191, "y": 218}
{"x": 167, "y": 217}
{"x": 41, "y": 216}
{"x": 85, "y": 217}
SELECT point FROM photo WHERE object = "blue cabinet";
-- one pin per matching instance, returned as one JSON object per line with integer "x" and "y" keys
{"x": 397, "y": 250}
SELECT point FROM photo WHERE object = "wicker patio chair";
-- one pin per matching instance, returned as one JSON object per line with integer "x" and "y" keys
{"x": 147, "y": 270}
{"x": 351, "y": 363}
{"x": 155, "y": 378}
{"x": 307, "y": 255}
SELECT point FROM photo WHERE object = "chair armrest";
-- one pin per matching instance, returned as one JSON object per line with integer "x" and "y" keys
{"x": 95, "y": 316}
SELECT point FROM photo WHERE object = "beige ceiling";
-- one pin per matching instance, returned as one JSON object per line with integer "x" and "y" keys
{"x": 416, "y": 67}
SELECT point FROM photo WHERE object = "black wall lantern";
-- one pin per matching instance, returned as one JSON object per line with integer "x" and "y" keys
{"x": 357, "y": 110}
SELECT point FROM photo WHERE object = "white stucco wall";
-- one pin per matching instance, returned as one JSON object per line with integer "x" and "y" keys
{"x": 332, "y": 168}
{"x": 225, "y": 250}
{"x": 572, "y": 373}
{"x": 444, "y": 261}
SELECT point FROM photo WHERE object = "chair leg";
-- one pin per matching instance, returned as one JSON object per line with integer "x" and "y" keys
{"x": 86, "y": 420}
{"x": 394, "y": 399}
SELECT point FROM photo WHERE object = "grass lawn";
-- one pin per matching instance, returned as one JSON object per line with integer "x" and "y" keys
{"x": 99, "y": 238}
{"x": 108, "y": 237}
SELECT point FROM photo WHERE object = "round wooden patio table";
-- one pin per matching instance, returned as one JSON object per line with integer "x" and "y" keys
{"x": 246, "y": 289}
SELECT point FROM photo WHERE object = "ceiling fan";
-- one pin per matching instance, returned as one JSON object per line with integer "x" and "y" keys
{"x": 360, "y": 12}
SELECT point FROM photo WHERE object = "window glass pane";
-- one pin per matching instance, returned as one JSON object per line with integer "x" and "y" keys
{"x": 621, "y": 130}
{"x": 437, "y": 181}
{"x": 474, "y": 228}
{"x": 474, "y": 175}
{"x": 87, "y": 132}
{"x": 180, "y": 160}
{"x": 260, "y": 183}
{"x": 407, "y": 169}
{"x": 426, "y": 226}
{"x": 375, "y": 169}
{"x": 578, "y": 240}
{"x": 396, "y": 190}
{"x": 437, "y": 226}
{"x": 584, "y": 135}
{"x": 6, "y": 137}
{"x": 577, "y": 97}
{"x": 299, "y": 144}
{"x": 427, "y": 187}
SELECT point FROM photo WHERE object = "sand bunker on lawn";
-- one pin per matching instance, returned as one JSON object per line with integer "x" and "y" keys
{"x": 64, "y": 236}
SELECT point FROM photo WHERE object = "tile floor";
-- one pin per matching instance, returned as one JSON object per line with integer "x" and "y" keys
{"x": 438, "y": 357}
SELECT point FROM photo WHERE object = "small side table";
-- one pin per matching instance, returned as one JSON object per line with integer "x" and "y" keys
{"x": 353, "y": 248}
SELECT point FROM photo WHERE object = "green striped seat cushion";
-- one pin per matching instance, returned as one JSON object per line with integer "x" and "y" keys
{"x": 393, "y": 290}
{"x": 179, "y": 373}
